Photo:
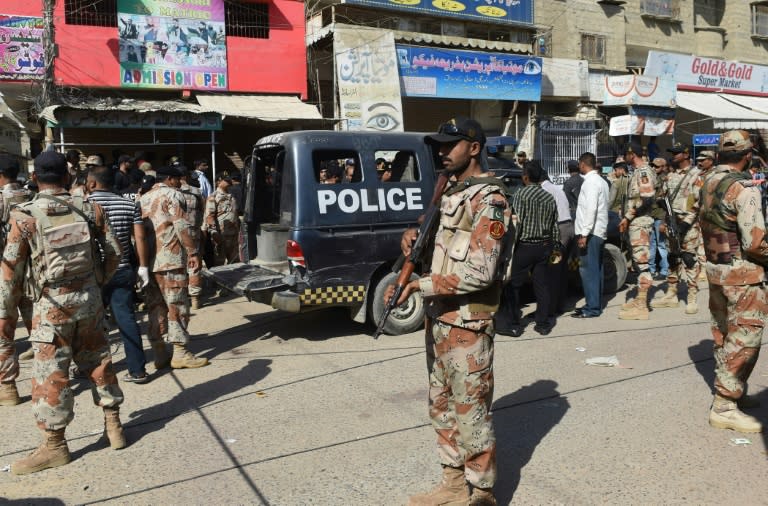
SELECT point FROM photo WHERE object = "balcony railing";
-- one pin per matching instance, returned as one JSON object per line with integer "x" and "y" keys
{"x": 661, "y": 9}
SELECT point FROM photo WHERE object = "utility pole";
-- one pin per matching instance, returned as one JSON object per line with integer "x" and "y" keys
{"x": 46, "y": 95}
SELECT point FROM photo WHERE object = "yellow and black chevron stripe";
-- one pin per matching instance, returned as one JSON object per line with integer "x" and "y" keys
{"x": 345, "y": 294}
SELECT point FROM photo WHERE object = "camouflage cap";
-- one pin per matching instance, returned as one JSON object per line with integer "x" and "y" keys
{"x": 94, "y": 160}
{"x": 703, "y": 155}
{"x": 659, "y": 162}
{"x": 735, "y": 140}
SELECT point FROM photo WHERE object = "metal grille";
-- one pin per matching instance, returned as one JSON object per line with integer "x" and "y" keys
{"x": 560, "y": 140}
{"x": 593, "y": 48}
{"x": 660, "y": 8}
{"x": 90, "y": 12}
{"x": 247, "y": 20}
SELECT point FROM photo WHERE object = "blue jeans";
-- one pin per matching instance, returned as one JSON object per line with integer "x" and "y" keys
{"x": 119, "y": 293}
{"x": 658, "y": 240}
{"x": 591, "y": 271}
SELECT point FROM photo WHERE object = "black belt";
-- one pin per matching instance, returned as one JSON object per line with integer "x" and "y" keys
{"x": 545, "y": 241}
{"x": 564, "y": 221}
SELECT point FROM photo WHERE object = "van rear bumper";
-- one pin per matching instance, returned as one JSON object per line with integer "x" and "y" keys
{"x": 286, "y": 301}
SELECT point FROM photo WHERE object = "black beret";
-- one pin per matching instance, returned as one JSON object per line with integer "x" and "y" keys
{"x": 51, "y": 162}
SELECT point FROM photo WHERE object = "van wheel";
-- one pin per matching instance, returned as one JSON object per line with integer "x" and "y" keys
{"x": 404, "y": 319}
{"x": 614, "y": 269}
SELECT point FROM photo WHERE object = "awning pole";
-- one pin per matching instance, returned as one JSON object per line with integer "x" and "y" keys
{"x": 61, "y": 139}
{"x": 213, "y": 154}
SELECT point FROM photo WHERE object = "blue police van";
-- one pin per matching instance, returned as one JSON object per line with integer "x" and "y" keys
{"x": 324, "y": 213}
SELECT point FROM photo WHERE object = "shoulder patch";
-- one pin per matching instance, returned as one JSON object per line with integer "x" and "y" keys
{"x": 496, "y": 229}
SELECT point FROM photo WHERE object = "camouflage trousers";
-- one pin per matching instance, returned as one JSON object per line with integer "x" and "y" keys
{"x": 228, "y": 250}
{"x": 738, "y": 317}
{"x": 168, "y": 306}
{"x": 640, "y": 230}
{"x": 9, "y": 362}
{"x": 67, "y": 324}
{"x": 693, "y": 245}
{"x": 460, "y": 396}
{"x": 195, "y": 281}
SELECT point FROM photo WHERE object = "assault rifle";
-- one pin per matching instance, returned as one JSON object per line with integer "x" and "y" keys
{"x": 408, "y": 264}
{"x": 675, "y": 237}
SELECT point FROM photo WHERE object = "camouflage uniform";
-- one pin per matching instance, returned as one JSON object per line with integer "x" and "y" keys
{"x": 68, "y": 313}
{"x": 194, "y": 215}
{"x": 10, "y": 195}
{"x": 640, "y": 201}
{"x": 683, "y": 188}
{"x": 163, "y": 210}
{"x": 461, "y": 295}
{"x": 619, "y": 189}
{"x": 223, "y": 223}
{"x": 736, "y": 256}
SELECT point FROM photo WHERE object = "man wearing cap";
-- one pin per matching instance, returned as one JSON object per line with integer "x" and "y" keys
{"x": 173, "y": 250}
{"x": 461, "y": 293}
{"x": 194, "y": 215}
{"x": 122, "y": 176}
{"x": 682, "y": 188}
{"x": 659, "y": 239}
{"x": 705, "y": 161}
{"x": 619, "y": 190}
{"x": 12, "y": 194}
{"x": 733, "y": 226}
{"x": 522, "y": 157}
{"x": 572, "y": 186}
{"x": 221, "y": 222}
{"x": 68, "y": 314}
{"x": 637, "y": 219}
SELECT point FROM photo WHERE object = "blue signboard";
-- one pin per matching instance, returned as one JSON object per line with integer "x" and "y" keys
{"x": 487, "y": 11}
{"x": 451, "y": 73}
{"x": 706, "y": 140}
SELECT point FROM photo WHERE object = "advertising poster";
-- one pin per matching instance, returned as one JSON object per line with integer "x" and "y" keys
{"x": 172, "y": 44}
{"x": 452, "y": 73}
{"x": 486, "y": 11}
{"x": 639, "y": 90}
{"x": 369, "y": 89}
{"x": 22, "y": 53}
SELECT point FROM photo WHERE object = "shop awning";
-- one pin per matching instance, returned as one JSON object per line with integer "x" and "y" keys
{"x": 259, "y": 107}
{"x": 315, "y": 35}
{"x": 727, "y": 111}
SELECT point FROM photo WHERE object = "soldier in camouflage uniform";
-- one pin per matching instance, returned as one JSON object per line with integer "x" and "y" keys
{"x": 733, "y": 226}
{"x": 174, "y": 250}
{"x": 194, "y": 215}
{"x": 222, "y": 223}
{"x": 11, "y": 194}
{"x": 461, "y": 294}
{"x": 638, "y": 220}
{"x": 619, "y": 189}
{"x": 682, "y": 188}
{"x": 49, "y": 236}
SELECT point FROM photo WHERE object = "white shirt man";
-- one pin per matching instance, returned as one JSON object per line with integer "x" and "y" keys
{"x": 591, "y": 227}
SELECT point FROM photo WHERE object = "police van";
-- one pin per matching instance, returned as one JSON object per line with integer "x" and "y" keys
{"x": 324, "y": 213}
{"x": 314, "y": 239}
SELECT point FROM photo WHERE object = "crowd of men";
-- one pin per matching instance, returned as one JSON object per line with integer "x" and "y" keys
{"x": 77, "y": 240}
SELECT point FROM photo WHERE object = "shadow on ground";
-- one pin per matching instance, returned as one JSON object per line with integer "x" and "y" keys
{"x": 521, "y": 420}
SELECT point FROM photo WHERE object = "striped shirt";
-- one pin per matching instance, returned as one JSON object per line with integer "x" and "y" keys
{"x": 536, "y": 213}
{"x": 122, "y": 214}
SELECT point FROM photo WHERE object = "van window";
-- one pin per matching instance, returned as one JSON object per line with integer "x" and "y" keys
{"x": 336, "y": 166}
{"x": 396, "y": 166}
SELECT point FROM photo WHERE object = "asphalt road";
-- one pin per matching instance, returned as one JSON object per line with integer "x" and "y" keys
{"x": 308, "y": 409}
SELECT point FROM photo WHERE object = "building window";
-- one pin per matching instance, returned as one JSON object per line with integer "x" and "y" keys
{"x": 662, "y": 9}
{"x": 88, "y": 12}
{"x": 593, "y": 48}
{"x": 247, "y": 20}
{"x": 760, "y": 20}
{"x": 708, "y": 13}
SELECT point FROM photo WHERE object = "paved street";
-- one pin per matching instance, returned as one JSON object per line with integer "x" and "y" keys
{"x": 299, "y": 410}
